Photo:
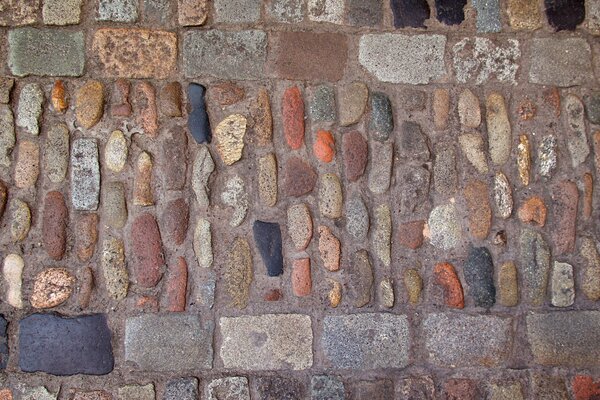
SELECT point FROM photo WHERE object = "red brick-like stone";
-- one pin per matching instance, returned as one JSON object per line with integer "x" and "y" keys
{"x": 299, "y": 178}
{"x": 588, "y": 194}
{"x": 54, "y": 225}
{"x": 86, "y": 236}
{"x": 565, "y": 198}
{"x": 480, "y": 211}
{"x": 355, "y": 153}
{"x": 445, "y": 275}
{"x": 461, "y": 389}
{"x": 533, "y": 210}
{"x": 584, "y": 388}
{"x": 301, "y": 280}
{"x": 121, "y": 106}
{"x": 308, "y": 55}
{"x": 292, "y": 110}
{"x": 226, "y": 93}
{"x": 3, "y": 197}
{"x": 324, "y": 146}
{"x": 27, "y": 168}
{"x": 174, "y": 148}
{"x": 147, "y": 303}
{"x": 410, "y": 234}
{"x": 145, "y": 102}
{"x": 175, "y": 287}
{"x": 273, "y": 295}
{"x": 170, "y": 100}
{"x": 147, "y": 257}
{"x": 175, "y": 221}
{"x": 6, "y": 394}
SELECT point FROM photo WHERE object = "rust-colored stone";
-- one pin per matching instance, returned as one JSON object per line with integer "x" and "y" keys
{"x": 226, "y": 93}
{"x": 170, "y": 102}
{"x": 329, "y": 248}
{"x": 292, "y": 110}
{"x": 588, "y": 195}
{"x": 526, "y": 109}
{"x": 121, "y": 106}
{"x": 263, "y": 118}
{"x": 59, "y": 97}
{"x": 565, "y": 198}
{"x": 410, "y": 234}
{"x": 145, "y": 102}
{"x": 584, "y": 388}
{"x": 175, "y": 287}
{"x": 54, "y": 225}
{"x": 299, "y": 178}
{"x": 192, "y": 12}
{"x": 478, "y": 205}
{"x": 147, "y": 303}
{"x": 533, "y": 210}
{"x": 6, "y": 394}
{"x": 147, "y": 252}
{"x": 356, "y": 154}
{"x": 441, "y": 108}
{"x": 324, "y": 146}
{"x": 552, "y": 99}
{"x": 445, "y": 275}
{"x": 86, "y": 287}
{"x": 335, "y": 294}
{"x": 273, "y": 295}
{"x": 89, "y": 104}
{"x": 86, "y": 236}
{"x": 175, "y": 220}
{"x": 301, "y": 280}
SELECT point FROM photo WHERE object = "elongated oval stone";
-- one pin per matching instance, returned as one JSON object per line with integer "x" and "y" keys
{"x": 565, "y": 15}
{"x": 263, "y": 118}
{"x": 524, "y": 159}
{"x": 174, "y": 148}
{"x": 142, "y": 189}
{"x": 292, "y": 110}
{"x": 444, "y": 227}
{"x": 170, "y": 99}
{"x": 352, "y": 102}
{"x": 329, "y": 249}
{"x": 361, "y": 278}
{"x": 148, "y": 259}
{"x": 57, "y": 153}
{"x": 590, "y": 286}
{"x": 85, "y": 175}
{"x": 299, "y": 177}
{"x": 267, "y": 179}
{"x": 175, "y": 220}
{"x": 478, "y": 205}
{"x": 564, "y": 216}
{"x": 235, "y": 196}
{"x": 114, "y": 205}
{"x": 7, "y": 135}
{"x": 322, "y": 106}
{"x": 386, "y": 292}
{"x": 89, "y": 104}
{"x": 547, "y": 156}
{"x": 54, "y": 225}
{"x": 445, "y": 276}
{"x": 229, "y": 137}
{"x": 382, "y": 236}
{"x": 29, "y": 109}
{"x": 503, "y": 195}
{"x": 147, "y": 115}
{"x": 203, "y": 243}
{"x": 535, "y": 263}
{"x": 330, "y": 196}
{"x": 441, "y": 108}
{"x": 267, "y": 237}
{"x": 198, "y": 122}
{"x": 413, "y": 144}
{"x": 86, "y": 235}
{"x": 469, "y": 111}
{"x": 479, "y": 275}
{"x": 13, "y": 276}
{"x": 357, "y": 218}
{"x": 499, "y": 130}
{"x": 508, "y": 286}
{"x": 238, "y": 273}
{"x": 202, "y": 169}
{"x": 380, "y": 171}
{"x": 174, "y": 297}
{"x": 115, "y": 152}
{"x": 59, "y": 97}
{"x": 381, "y": 123}
{"x": 300, "y": 227}
{"x": 472, "y": 147}
{"x": 21, "y": 220}
{"x": 414, "y": 285}
{"x": 52, "y": 287}
{"x": 301, "y": 279}
{"x": 562, "y": 285}
{"x": 3, "y": 197}
{"x": 116, "y": 277}
{"x": 355, "y": 152}
{"x": 577, "y": 142}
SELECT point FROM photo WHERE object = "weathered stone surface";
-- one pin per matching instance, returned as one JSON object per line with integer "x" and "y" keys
{"x": 413, "y": 142}
{"x": 92, "y": 395}
{"x": 202, "y": 169}
{"x": 577, "y": 142}
{"x": 535, "y": 265}
{"x": 267, "y": 237}
{"x": 7, "y": 135}
{"x": 238, "y": 273}
{"x": 355, "y": 154}
{"x": 228, "y": 93}
{"x": 413, "y": 284}
{"x": 170, "y": 100}
{"x": 299, "y": 178}
{"x": 361, "y": 278}
{"x": 61, "y": 12}
{"x": 301, "y": 279}
{"x": 322, "y": 106}
{"x": 414, "y": 59}
{"x": 412, "y": 13}
{"x": 229, "y": 138}
{"x": 567, "y": 338}
{"x": 89, "y": 104}
{"x": 472, "y": 147}
{"x": 444, "y": 227}
{"x": 479, "y": 275}
{"x": 364, "y": 341}
{"x": 300, "y": 226}
{"x": 410, "y": 234}
{"x": 21, "y": 220}
{"x": 85, "y": 175}
{"x": 121, "y": 107}
{"x": 137, "y": 392}
{"x": 174, "y": 221}
{"x": 19, "y": 12}
{"x": 524, "y": 14}
{"x": 235, "y": 196}
{"x": 238, "y": 12}
{"x": 287, "y": 11}
{"x": 37, "y": 393}
{"x": 445, "y": 276}
{"x": 292, "y": 110}
{"x": 3, "y": 197}
{"x": 202, "y": 243}
{"x": 114, "y": 205}
{"x": 148, "y": 258}
{"x": 329, "y": 249}
{"x": 198, "y": 122}
{"x": 479, "y": 60}
{"x": 382, "y": 235}
{"x": 455, "y": 340}
{"x": 469, "y": 111}
{"x": 380, "y": 170}
{"x": 565, "y": 15}
{"x": 175, "y": 148}
{"x": 6, "y": 87}
{"x": 503, "y": 196}
{"x": 230, "y": 388}
{"x": 416, "y": 388}
{"x": 450, "y": 12}
{"x": 286, "y": 342}
{"x": 564, "y": 216}
{"x": 164, "y": 333}
{"x": 85, "y": 287}
{"x": 331, "y": 11}
{"x": 364, "y": 12}
{"x": 56, "y": 153}
{"x": 192, "y": 12}
{"x": 54, "y": 225}
{"x": 592, "y": 107}
{"x": 590, "y": 284}
{"x": 357, "y": 218}
{"x": 29, "y": 109}
{"x": 324, "y": 146}
{"x": 524, "y": 159}
{"x": 445, "y": 176}
{"x": 117, "y": 11}
{"x": 560, "y": 62}
{"x": 335, "y": 293}
{"x": 52, "y": 287}
{"x": 381, "y": 121}
{"x": 547, "y": 155}
{"x": 325, "y": 387}
{"x": 12, "y": 270}
{"x": 145, "y": 105}
{"x": 441, "y": 108}
{"x": 175, "y": 287}
{"x": 584, "y": 387}
{"x": 330, "y": 196}
{"x": 562, "y": 285}
{"x": 479, "y": 210}
{"x": 27, "y": 167}
{"x": 588, "y": 195}
{"x": 372, "y": 389}
{"x": 386, "y": 293}
{"x": 48, "y": 52}
{"x": 150, "y": 53}
{"x": 548, "y": 386}
{"x": 267, "y": 179}
{"x": 59, "y": 97}
{"x": 461, "y": 389}
{"x": 279, "y": 387}
{"x": 142, "y": 188}
{"x": 508, "y": 288}
{"x": 506, "y": 391}
{"x": 352, "y": 102}
{"x": 498, "y": 127}
{"x": 65, "y": 346}
{"x": 488, "y": 16}
{"x": 224, "y": 54}
{"x": 116, "y": 151}
{"x": 181, "y": 389}
{"x": 263, "y": 118}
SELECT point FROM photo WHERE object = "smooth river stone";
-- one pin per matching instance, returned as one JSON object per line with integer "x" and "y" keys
{"x": 300, "y": 227}
{"x": 469, "y": 110}
{"x": 330, "y": 196}
{"x": 267, "y": 237}
{"x": 21, "y": 220}
{"x": 444, "y": 227}
{"x": 472, "y": 147}
{"x": 13, "y": 276}
{"x": 85, "y": 175}
{"x": 198, "y": 122}
{"x": 115, "y": 152}
{"x": 57, "y": 153}
{"x": 229, "y": 137}
{"x": 499, "y": 130}
{"x": 479, "y": 275}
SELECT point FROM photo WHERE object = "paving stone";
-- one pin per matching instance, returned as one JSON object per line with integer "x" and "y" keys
{"x": 238, "y": 274}
{"x": 45, "y": 52}
{"x": 577, "y": 142}
{"x": 380, "y": 170}
{"x": 326, "y": 387}
{"x": 465, "y": 340}
{"x": 444, "y": 227}
{"x": 472, "y": 147}
{"x": 117, "y": 11}
{"x": 116, "y": 277}
{"x": 226, "y": 93}
{"x": 237, "y": 12}
{"x": 590, "y": 284}
{"x": 588, "y": 189}
{"x": 364, "y": 12}
{"x": 61, "y": 12}
{"x": 329, "y": 249}
{"x": 382, "y": 235}
{"x": 280, "y": 388}
{"x": 565, "y": 15}
{"x": 175, "y": 220}
{"x": 198, "y": 122}
{"x": 568, "y": 338}
{"x": 92, "y": 395}
{"x": 498, "y": 127}
{"x": 7, "y": 135}
{"x": 322, "y": 106}
{"x": 357, "y": 218}
{"x": 416, "y": 388}
{"x": 512, "y": 391}
{"x": 178, "y": 342}
{"x": 560, "y": 62}
{"x": 352, "y": 101}
{"x": 441, "y": 108}
{"x": 417, "y": 59}
{"x": 158, "y": 12}
{"x": 114, "y": 205}
{"x": 56, "y": 153}
{"x": 233, "y": 55}
{"x": 202, "y": 243}
{"x": 267, "y": 179}
{"x": 21, "y": 220}
{"x": 479, "y": 276}
{"x": 292, "y": 111}
{"x": 410, "y": 234}
{"x": 331, "y": 11}
{"x": 301, "y": 280}
{"x": 230, "y": 388}
{"x": 445, "y": 276}
{"x": 300, "y": 225}
{"x": 148, "y": 259}
{"x": 524, "y": 14}
{"x": 562, "y": 285}
{"x": 181, "y": 389}
{"x": 288, "y": 11}
{"x": 488, "y": 16}
{"x": 192, "y": 12}
{"x": 145, "y": 105}
{"x": 548, "y": 386}
{"x": 361, "y": 278}
{"x": 330, "y": 196}
{"x": 469, "y": 111}
{"x": 365, "y": 341}
{"x": 592, "y": 107}
{"x": 137, "y": 392}
{"x": 201, "y": 172}
{"x": 29, "y": 110}
{"x": 19, "y": 12}
{"x": 12, "y": 270}
{"x": 229, "y": 138}
{"x": 267, "y": 237}
{"x": 445, "y": 175}
{"x": 456, "y": 389}
{"x": 508, "y": 288}
{"x": 355, "y": 153}
{"x": 235, "y": 196}
{"x": 142, "y": 182}
{"x": 89, "y": 104}
{"x": 54, "y": 225}
{"x": 564, "y": 215}
{"x": 263, "y": 118}
{"x": 535, "y": 263}
{"x": 450, "y": 12}
{"x": 381, "y": 122}
{"x": 52, "y": 287}
{"x": 479, "y": 60}
{"x": 379, "y": 389}
{"x": 85, "y": 287}
{"x": 547, "y": 155}
{"x": 286, "y": 342}
{"x": 524, "y": 159}
{"x": 410, "y": 13}
{"x": 65, "y": 346}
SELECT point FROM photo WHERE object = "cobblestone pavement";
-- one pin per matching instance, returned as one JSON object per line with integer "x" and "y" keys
{"x": 299, "y": 199}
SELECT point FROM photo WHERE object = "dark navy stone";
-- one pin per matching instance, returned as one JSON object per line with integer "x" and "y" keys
{"x": 198, "y": 122}
{"x": 267, "y": 237}
{"x": 381, "y": 123}
{"x": 65, "y": 346}
{"x": 450, "y": 12}
{"x": 565, "y": 14}
{"x": 410, "y": 13}
{"x": 479, "y": 275}
{"x": 3, "y": 343}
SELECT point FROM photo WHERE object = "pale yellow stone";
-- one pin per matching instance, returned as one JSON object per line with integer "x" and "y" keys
{"x": 13, "y": 275}
{"x": 142, "y": 193}
{"x": 498, "y": 127}
{"x": 115, "y": 152}
{"x": 524, "y": 159}
{"x": 469, "y": 110}
{"x": 267, "y": 179}
{"x": 229, "y": 138}
{"x": 335, "y": 294}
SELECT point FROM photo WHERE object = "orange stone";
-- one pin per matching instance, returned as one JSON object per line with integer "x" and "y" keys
{"x": 324, "y": 147}
{"x": 301, "y": 280}
{"x": 147, "y": 303}
{"x": 6, "y": 394}
{"x": 293, "y": 117}
{"x": 445, "y": 275}
{"x": 552, "y": 99}
{"x": 176, "y": 287}
{"x": 273, "y": 295}
{"x": 59, "y": 97}
{"x": 147, "y": 116}
{"x": 584, "y": 387}
{"x": 533, "y": 210}
{"x": 588, "y": 194}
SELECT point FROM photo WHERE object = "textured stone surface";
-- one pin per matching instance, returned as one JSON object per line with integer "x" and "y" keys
{"x": 535, "y": 263}
{"x": 361, "y": 274}
{"x": 381, "y": 121}
{"x": 590, "y": 284}
{"x": 263, "y": 118}
{"x": 56, "y": 153}
{"x": 469, "y": 111}
{"x": 444, "y": 227}
{"x": 533, "y": 210}
{"x": 330, "y": 196}
{"x": 441, "y": 108}
{"x": 21, "y": 220}
{"x": 174, "y": 221}
{"x": 7, "y": 135}
{"x": 267, "y": 237}
{"x": 479, "y": 60}
{"x": 380, "y": 169}
{"x": 301, "y": 279}
{"x": 235, "y": 196}
{"x": 479, "y": 276}
{"x": 508, "y": 285}
{"x": 59, "y": 99}
{"x": 236, "y": 12}
{"x": 116, "y": 277}
{"x": 498, "y": 127}
{"x": 503, "y": 196}
{"x": 352, "y": 101}
{"x": 323, "y": 106}
{"x": 562, "y": 285}
{"x": 29, "y": 110}
{"x": 52, "y": 287}
{"x": 12, "y": 270}
{"x": 488, "y": 16}
{"x": 547, "y": 157}
{"x": 413, "y": 143}
{"x": 203, "y": 167}
{"x": 524, "y": 159}
{"x": 410, "y": 13}
{"x": 143, "y": 195}
{"x": 523, "y": 14}
{"x": 382, "y": 234}
{"x": 300, "y": 226}
{"x": 472, "y": 147}
{"x": 202, "y": 243}
{"x": 230, "y": 388}
{"x": 117, "y": 10}
{"x": 292, "y": 111}
{"x": 89, "y": 103}
{"x": 329, "y": 249}
{"x": 85, "y": 174}
{"x": 479, "y": 209}
{"x": 145, "y": 105}
{"x": 116, "y": 151}
{"x": 287, "y": 11}
{"x": 357, "y": 218}
{"x": 229, "y": 138}
{"x": 565, "y": 15}
{"x": 198, "y": 122}
{"x": 181, "y": 389}
{"x": 413, "y": 284}
{"x": 324, "y": 146}
{"x": 326, "y": 387}
{"x": 192, "y": 12}
{"x": 331, "y": 11}
{"x": 577, "y": 142}
{"x": 137, "y": 392}
{"x": 560, "y": 62}
{"x": 355, "y": 153}
{"x": 54, "y": 225}
{"x": 564, "y": 216}
{"x": 114, "y": 204}
{"x": 148, "y": 259}
{"x": 27, "y": 167}
{"x": 238, "y": 273}
{"x": 299, "y": 178}
{"x": 445, "y": 276}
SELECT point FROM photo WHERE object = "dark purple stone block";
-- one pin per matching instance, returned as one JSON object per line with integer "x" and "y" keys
{"x": 267, "y": 237}
{"x": 450, "y": 12}
{"x": 565, "y": 14}
{"x": 410, "y": 13}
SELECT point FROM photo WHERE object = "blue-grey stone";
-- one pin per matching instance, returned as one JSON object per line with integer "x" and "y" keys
{"x": 267, "y": 236}
{"x": 182, "y": 389}
{"x": 65, "y": 346}
{"x": 488, "y": 15}
{"x": 410, "y": 13}
{"x": 479, "y": 275}
{"x": 198, "y": 122}
{"x": 381, "y": 123}
{"x": 450, "y": 12}
{"x": 326, "y": 387}
{"x": 565, "y": 14}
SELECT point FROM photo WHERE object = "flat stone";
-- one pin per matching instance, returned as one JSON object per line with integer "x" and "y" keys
{"x": 355, "y": 153}
{"x": 410, "y": 13}
{"x": 229, "y": 138}
{"x": 547, "y": 156}
{"x": 116, "y": 151}
{"x": 361, "y": 274}
{"x": 52, "y": 287}
{"x": 560, "y": 62}
{"x": 562, "y": 285}
{"x": 292, "y": 111}
{"x": 479, "y": 60}
{"x": 330, "y": 196}
{"x": 181, "y": 389}
{"x": 142, "y": 182}
{"x": 59, "y": 97}
{"x": 285, "y": 342}
{"x": 175, "y": 220}
{"x": 331, "y": 11}
{"x": 227, "y": 93}
{"x": 479, "y": 209}
{"x": 577, "y": 142}
{"x": 413, "y": 284}
{"x": 21, "y": 220}
{"x": 224, "y": 54}
{"x": 300, "y": 226}
{"x": 56, "y": 153}
{"x": 192, "y": 12}
{"x": 267, "y": 179}
{"x": 357, "y": 218}
{"x": 564, "y": 216}
{"x": 238, "y": 273}
{"x": 329, "y": 249}
{"x": 324, "y": 146}
{"x": 352, "y": 101}
{"x": 565, "y": 15}
{"x": 415, "y": 59}
{"x": 267, "y": 237}
{"x": 198, "y": 122}
{"x": 445, "y": 276}
{"x": 148, "y": 259}
{"x": 65, "y": 346}
{"x": 524, "y": 159}
{"x": 12, "y": 270}
{"x": 326, "y": 387}
{"x": 479, "y": 276}
{"x": 548, "y": 386}
{"x": 380, "y": 170}
{"x": 590, "y": 284}
{"x": 444, "y": 227}
{"x": 263, "y": 118}
{"x": 372, "y": 389}
{"x": 86, "y": 235}
{"x": 488, "y": 16}
{"x": 472, "y": 147}
{"x": 230, "y": 388}
{"x": 89, "y": 104}
{"x": 535, "y": 265}
{"x": 455, "y": 340}
{"x": 55, "y": 218}
{"x": 382, "y": 234}
{"x": 523, "y": 14}
{"x": 191, "y": 338}
{"x": 287, "y": 11}
{"x": 441, "y": 108}
{"x": 145, "y": 108}
{"x": 322, "y": 106}
{"x": 469, "y": 111}
{"x": 235, "y": 196}
{"x": 413, "y": 142}
{"x": 381, "y": 122}
{"x": 117, "y": 11}
{"x": 498, "y": 127}
{"x": 365, "y": 341}
{"x": 364, "y": 12}
{"x": 158, "y": 12}
{"x": 445, "y": 175}
{"x": 203, "y": 243}
{"x": 279, "y": 387}
{"x": 7, "y": 135}
{"x": 114, "y": 204}
{"x": 201, "y": 172}
{"x": 61, "y": 12}
{"x": 236, "y": 12}
{"x": 450, "y": 12}
{"x": 29, "y": 111}
{"x": 567, "y": 338}
{"x": 137, "y": 392}
{"x": 46, "y": 52}
{"x": 301, "y": 279}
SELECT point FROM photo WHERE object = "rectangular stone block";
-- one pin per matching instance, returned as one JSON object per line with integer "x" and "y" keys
{"x": 366, "y": 341}
{"x": 267, "y": 342}
{"x": 50, "y": 52}
{"x": 233, "y": 55}
{"x": 568, "y": 338}
{"x": 85, "y": 175}
{"x": 560, "y": 62}
{"x": 459, "y": 340}
{"x": 172, "y": 342}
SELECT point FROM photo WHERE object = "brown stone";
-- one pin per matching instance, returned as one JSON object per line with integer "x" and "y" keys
{"x": 174, "y": 148}
{"x": 54, "y": 225}
{"x": 335, "y": 294}
{"x": 508, "y": 285}
{"x": 596, "y": 139}
{"x": 147, "y": 303}
{"x": 273, "y": 295}
{"x": 86, "y": 286}
{"x": 145, "y": 104}
{"x": 93, "y": 395}
{"x": 445, "y": 275}
{"x": 524, "y": 14}
{"x": 565, "y": 198}
{"x": 299, "y": 178}
{"x": 142, "y": 190}
{"x": 147, "y": 260}
{"x": 263, "y": 119}
{"x": 175, "y": 287}
{"x": 292, "y": 110}
{"x": 588, "y": 195}
{"x": 175, "y": 220}
{"x": 6, "y": 394}
{"x": 52, "y": 287}
{"x": 192, "y": 12}
{"x": 309, "y": 56}
{"x": 27, "y": 168}
{"x": 19, "y": 12}
{"x": 89, "y": 104}
{"x": 526, "y": 109}
{"x": 86, "y": 236}
{"x": 469, "y": 110}
{"x": 414, "y": 285}
{"x": 324, "y": 146}
{"x": 59, "y": 97}
{"x": 410, "y": 234}
{"x": 533, "y": 210}
{"x": 226, "y": 93}
{"x": 3, "y": 198}
{"x": 301, "y": 280}
{"x": 238, "y": 273}
{"x": 584, "y": 387}
{"x": 355, "y": 152}
{"x": 552, "y": 100}
{"x": 524, "y": 159}
{"x": 478, "y": 205}
{"x": 352, "y": 101}
{"x": 461, "y": 389}
{"x": 329, "y": 248}
{"x": 170, "y": 100}
{"x": 135, "y": 53}
{"x": 441, "y": 108}
{"x": 121, "y": 106}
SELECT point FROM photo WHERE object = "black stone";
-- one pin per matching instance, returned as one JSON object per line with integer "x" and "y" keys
{"x": 413, "y": 144}
{"x": 592, "y": 108}
{"x": 381, "y": 123}
{"x": 182, "y": 389}
{"x": 65, "y": 346}
{"x": 3, "y": 343}
{"x": 198, "y": 122}
{"x": 267, "y": 237}
{"x": 450, "y": 12}
{"x": 280, "y": 388}
{"x": 365, "y": 12}
{"x": 479, "y": 275}
{"x": 565, "y": 14}
{"x": 410, "y": 13}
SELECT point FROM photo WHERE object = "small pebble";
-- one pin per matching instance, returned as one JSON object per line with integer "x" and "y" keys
{"x": 414, "y": 285}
